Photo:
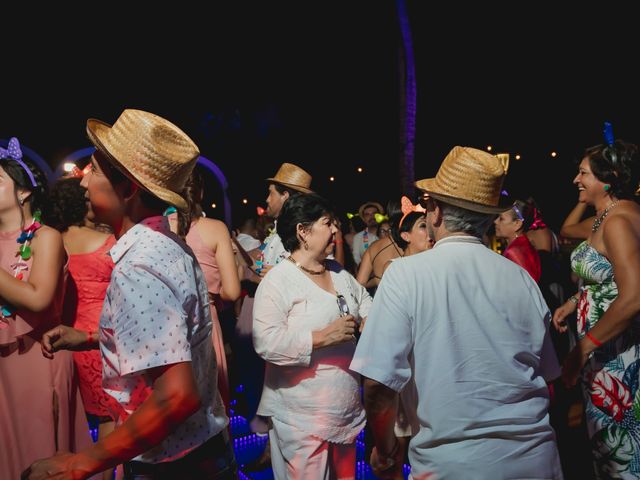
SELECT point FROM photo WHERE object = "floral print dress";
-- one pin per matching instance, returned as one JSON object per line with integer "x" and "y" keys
{"x": 611, "y": 377}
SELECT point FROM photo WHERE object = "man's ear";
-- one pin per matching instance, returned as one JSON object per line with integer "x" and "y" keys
{"x": 129, "y": 189}
{"x": 436, "y": 215}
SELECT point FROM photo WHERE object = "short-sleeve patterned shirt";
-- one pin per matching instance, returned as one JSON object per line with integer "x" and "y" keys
{"x": 156, "y": 313}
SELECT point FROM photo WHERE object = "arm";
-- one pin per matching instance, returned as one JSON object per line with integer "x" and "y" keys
{"x": 174, "y": 399}
{"x": 622, "y": 243}
{"x": 219, "y": 239}
{"x": 365, "y": 269}
{"x": 574, "y": 226}
{"x": 276, "y": 343}
{"x": 37, "y": 293}
{"x": 381, "y": 405}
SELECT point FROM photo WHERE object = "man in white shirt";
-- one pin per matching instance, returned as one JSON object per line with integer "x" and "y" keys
{"x": 155, "y": 327}
{"x": 366, "y": 237}
{"x": 470, "y": 329}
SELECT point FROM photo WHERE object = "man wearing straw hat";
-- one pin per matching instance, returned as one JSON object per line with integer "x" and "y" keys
{"x": 366, "y": 237}
{"x": 155, "y": 327}
{"x": 471, "y": 330}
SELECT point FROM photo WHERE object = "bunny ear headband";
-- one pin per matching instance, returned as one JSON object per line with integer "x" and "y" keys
{"x": 407, "y": 207}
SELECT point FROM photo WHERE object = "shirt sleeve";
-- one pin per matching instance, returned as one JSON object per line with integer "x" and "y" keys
{"x": 362, "y": 297}
{"x": 357, "y": 245}
{"x": 383, "y": 350}
{"x": 549, "y": 366}
{"x": 150, "y": 328}
{"x": 273, "y": 339}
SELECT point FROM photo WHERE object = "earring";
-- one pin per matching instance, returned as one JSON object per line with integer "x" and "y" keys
{"x": 305, "y": 244}
{"x": 607, "y": 187}
{"x": 21, "y": 201}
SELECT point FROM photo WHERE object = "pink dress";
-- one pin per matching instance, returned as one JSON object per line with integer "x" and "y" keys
{"x": 90, "y": 274}
{"x": 40, "y": 403}
{"x": 207, "y": 260}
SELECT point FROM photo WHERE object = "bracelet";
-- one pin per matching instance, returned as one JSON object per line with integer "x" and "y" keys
{"x": 338, "y": 242}
{"x": 574, "y": 299}
{"x": 593, "y": 339}
{"x": 90, "y": 340}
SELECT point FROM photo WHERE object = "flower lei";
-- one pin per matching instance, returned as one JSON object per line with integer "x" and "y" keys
{"x": 24, "y": 252}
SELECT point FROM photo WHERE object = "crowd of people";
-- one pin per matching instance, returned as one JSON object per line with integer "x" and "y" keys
{"x": 458, "y": 359}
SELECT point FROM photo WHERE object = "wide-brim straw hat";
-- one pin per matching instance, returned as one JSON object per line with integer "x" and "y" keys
{"x": 470, "y": 179}
{"x": 292, "y": 176}
{"x": 150, "y": 150}
{"x": 370, "y": 204}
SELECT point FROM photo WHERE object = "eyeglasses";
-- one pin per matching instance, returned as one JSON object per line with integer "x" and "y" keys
{"x": 385, "y": 231}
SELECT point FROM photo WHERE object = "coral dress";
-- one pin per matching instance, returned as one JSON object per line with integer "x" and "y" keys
{"x": 90, "y": 274}
{"x": 207, "y": 260}
{"x": 40, "y": 403}
{"x": 611, "y": 377}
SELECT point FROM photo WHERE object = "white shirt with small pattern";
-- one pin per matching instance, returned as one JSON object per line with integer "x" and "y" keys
{"x": 156, "y": 313}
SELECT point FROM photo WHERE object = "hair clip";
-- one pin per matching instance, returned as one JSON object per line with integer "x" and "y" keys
{"x": 518, "y": 212}
{"x": 351, "y": 215}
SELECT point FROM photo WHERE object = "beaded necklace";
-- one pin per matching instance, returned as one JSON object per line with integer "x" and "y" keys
{"x": 24, "y": 254}
{"x": 598, "y": 221}
{"x": 365, "y": 239}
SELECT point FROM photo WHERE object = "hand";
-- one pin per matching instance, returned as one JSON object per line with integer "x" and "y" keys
{"x": 572, "y": 366}
{"x": 387, "y": 467}
{"x": 58, "y": 467}
{"x": 362, "y": 322}
{"x": 561, "y": 314}
{"x": 63, "y": 338}
{"x": 339, "y": 331}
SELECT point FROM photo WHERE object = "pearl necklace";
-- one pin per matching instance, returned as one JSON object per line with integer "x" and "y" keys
{"x": 307, "y": 270}
{"x": 598, "y": 221}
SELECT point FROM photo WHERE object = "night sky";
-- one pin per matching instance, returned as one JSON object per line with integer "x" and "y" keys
{"x": 316, "y": 84}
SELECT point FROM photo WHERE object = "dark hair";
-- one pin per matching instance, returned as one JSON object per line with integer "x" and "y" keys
{"x": 527, "y": 210}
{"x": 408, "y": 223}
{"x": 617, "y": 165}
{"x": 281, "y": 189}
{"x": 192, "y": 193}
{"x": 300, "y": 209}
{"x": 38, "y": 197}
{"x": 67, "y": 205}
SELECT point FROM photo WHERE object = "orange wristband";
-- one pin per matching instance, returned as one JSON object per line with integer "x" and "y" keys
{"x": 593, "y": 339}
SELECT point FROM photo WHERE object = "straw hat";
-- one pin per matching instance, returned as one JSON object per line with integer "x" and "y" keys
{"x": 148, "y": 149}
{"x": 470, "y": 179}
{"x": 292, "y": 176}
{"x": 370, "y": 204}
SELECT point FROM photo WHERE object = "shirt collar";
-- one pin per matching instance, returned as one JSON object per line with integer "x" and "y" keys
{"x": 157, "y": 223}
{"x": 458, "y": 239}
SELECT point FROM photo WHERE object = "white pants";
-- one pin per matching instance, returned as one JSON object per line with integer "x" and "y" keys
{"x": 297, "y": 455}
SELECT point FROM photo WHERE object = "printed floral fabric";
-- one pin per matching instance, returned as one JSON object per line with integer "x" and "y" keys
{"x": 611, "y": 376}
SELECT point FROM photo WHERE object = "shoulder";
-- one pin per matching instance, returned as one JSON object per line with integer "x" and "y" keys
{"x": 47, "y": 236}
{"x": 212, "y": 226}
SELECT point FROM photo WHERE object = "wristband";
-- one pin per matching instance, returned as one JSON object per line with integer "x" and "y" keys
{"x": 574, "y": 299}
{"x": 593, "y": 339}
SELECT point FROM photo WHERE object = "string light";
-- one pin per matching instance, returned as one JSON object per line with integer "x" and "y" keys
{"x": 213, "y": 205}
{"x": 245, "y": 201}
{"x": 359, "y": 169}
{"x": 518, "y": 157}
{"x": 331, "y": 179}
{"x": 68, "y": 166}
{"x": 489, "y": 147}
{"x": 554, "y": 154}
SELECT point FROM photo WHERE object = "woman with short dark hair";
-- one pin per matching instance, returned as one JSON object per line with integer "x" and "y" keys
{"x": 304, "y": 324}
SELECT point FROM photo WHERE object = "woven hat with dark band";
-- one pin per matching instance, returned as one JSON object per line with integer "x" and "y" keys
{"x": 150, "y": 150}
{"x": 370, "y": 204}
{"x": 292, "y": 176}
{"x": 470, "y": 179}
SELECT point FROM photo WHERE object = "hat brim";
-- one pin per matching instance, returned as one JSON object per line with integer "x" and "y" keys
{"x": 97, "y": 132}
{"x": 428, "y": 185}
{"x": 370, "y": 204}
{"x": 290, "y": 185}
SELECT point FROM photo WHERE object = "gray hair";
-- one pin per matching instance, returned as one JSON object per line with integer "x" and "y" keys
{"x": 461, "y": 220}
